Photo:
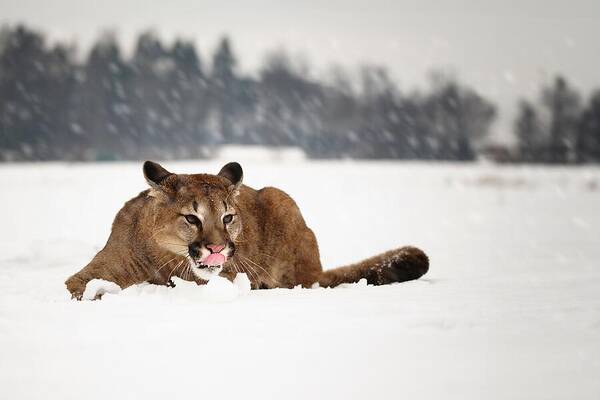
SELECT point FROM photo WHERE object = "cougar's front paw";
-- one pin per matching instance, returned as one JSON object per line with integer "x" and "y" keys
{"x": 76, "y": 287}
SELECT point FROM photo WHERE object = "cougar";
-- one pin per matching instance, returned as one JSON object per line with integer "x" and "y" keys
{"x": 199, "y": 225}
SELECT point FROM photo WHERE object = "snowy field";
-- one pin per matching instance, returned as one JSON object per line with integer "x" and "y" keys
{"x": 509, "y": 310}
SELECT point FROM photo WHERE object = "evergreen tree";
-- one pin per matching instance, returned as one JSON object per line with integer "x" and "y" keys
{"x": 588, "y": 138}
{"x": 152, "y": 66}
{"x": 61, "y": 81}
{"x": 562, "y": 104}
{"x": 224, "y": 91}
{"x": 289, "y": 102}
{"x": 458, "y": 118}
{"x": 188, "y": 96}
{"x": 338, "y": 119}
{"x": 34, "y": 83}
{"x": 101, "y": 118}
{"x": 529, "y": 132}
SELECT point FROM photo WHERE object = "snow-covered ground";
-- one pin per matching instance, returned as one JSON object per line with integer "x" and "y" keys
{"x": 510, "y": 308}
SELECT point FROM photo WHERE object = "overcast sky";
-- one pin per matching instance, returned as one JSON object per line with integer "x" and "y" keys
{"x": 504, "y": 49}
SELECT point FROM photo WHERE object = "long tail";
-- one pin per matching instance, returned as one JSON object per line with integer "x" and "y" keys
{"x": 399, "y": 265}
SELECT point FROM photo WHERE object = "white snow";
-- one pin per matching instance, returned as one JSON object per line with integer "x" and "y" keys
{"x": 510, "y": 308}
{"x": 362, "y": 282}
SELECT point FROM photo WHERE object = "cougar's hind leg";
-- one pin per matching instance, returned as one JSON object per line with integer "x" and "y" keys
{"x": 308, "y": 263}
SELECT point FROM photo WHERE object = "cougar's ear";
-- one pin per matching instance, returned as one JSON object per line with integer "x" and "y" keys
{"x": 233, "y": 173}
{"x": 156, "y": 176}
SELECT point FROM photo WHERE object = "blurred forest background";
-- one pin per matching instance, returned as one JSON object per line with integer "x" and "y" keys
{"x": 166, "y": 101}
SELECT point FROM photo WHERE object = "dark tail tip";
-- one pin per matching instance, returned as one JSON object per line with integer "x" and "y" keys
{"x": 409, "y": 264}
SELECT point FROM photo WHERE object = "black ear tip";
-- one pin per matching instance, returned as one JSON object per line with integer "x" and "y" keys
{"x": 232, "y": 171}
{"x": 150, "y": 168}
{"x": 236, "y": 167}
{"x": 155, "y": 172}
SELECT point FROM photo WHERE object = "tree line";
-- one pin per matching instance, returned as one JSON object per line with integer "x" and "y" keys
{"x": 560, "y": 127}
{"x": 166, "y": 101}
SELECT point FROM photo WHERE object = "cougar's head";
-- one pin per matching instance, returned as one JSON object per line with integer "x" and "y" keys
{"x": 195, "y": 215}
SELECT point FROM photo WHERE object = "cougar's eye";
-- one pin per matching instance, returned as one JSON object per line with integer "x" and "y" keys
{"x": 228, "y": 218}
{"x": 192, "y": 219}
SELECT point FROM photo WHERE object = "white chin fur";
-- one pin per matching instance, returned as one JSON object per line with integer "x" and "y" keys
{"x": 206, "y": 273}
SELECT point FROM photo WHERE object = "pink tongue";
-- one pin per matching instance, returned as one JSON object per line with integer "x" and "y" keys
{"x": 214, "y": 259}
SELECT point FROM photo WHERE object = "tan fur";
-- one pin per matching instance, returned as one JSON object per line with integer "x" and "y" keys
{"x": 150, "y": 237}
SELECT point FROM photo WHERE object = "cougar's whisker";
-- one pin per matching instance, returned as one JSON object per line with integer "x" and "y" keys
{"x": 176, "y": 244}
{"x": 161, "y": 267}
{"x": 267, "y": 272}
{"x": 253, "y": 274}
{"x": 177, "y": 266}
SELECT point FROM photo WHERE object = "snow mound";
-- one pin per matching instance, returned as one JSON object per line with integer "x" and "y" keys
{"x": 218, "y": 289}
{"x": 99, "y": 287}
{"x": 242, "y": 283}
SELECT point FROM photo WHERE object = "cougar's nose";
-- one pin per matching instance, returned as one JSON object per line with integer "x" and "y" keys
{"x": 194, "y": 249}
{"x": 215, "y": 248}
